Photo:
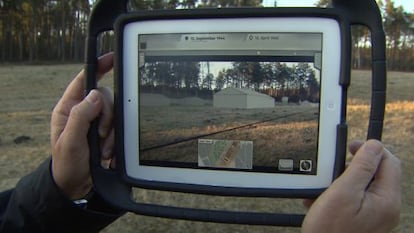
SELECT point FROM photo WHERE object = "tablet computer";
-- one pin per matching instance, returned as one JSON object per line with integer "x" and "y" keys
{"x": 249, "y": 103}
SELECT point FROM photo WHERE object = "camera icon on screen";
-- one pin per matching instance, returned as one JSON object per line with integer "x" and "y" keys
{"x": 305, "y": 165}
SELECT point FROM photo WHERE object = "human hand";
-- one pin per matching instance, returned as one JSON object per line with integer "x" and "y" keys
{"x": 366, "y": 198}
{"x": 70, "y": 124}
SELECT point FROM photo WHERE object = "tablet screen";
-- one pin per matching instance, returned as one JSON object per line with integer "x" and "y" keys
{"x": 230, "y": 100}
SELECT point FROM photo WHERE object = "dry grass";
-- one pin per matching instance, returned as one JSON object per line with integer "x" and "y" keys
{"x": 274, "y": 135}
{"x": 30, "y": 92}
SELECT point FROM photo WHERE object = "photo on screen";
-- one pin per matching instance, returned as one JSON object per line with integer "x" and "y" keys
{"x": 233, "y": 101}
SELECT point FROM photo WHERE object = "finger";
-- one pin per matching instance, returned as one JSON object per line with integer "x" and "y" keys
{"x": 81, "y": 116}
{"x": 74, "y": 94}
{"x": 106, "y": 163}
{"x": 113, "y": 163}
{"x": 75, "y": 90}
{"x": 388, "y": 178}
{"x": 363, "y": 167}
{"x": 385, "y": 189}
{"x": 308, "y": 203}
{"x": 354, "y": 146}
{"x": 108, "y": 146}
{"x": 105, "y": 64}
{"x": 106, "y": 120}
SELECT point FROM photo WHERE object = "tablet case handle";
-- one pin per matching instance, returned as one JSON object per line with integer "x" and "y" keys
{"x": 367, "y": 13}
{"x": 108, "y": 183}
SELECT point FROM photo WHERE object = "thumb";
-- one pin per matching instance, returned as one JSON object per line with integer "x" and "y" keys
{"x": 81, "y": 115}
{"x": 364, "y": 165}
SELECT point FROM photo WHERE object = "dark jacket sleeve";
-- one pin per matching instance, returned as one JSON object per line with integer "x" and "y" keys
{"x": 37, "y": 205}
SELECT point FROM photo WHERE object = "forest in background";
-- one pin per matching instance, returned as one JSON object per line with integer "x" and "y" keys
{"x": 297, "y": 81}
{"x": 54, "y": 31}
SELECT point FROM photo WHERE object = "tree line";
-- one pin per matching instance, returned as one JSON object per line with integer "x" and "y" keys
{"x": 55, "y": 30}
{"x": 43, "y": 30}
{"x": 399, "y": 29}
{"x": 297, "y": 81}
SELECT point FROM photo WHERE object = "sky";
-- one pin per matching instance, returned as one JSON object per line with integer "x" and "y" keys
{"x": 407, "y": 4}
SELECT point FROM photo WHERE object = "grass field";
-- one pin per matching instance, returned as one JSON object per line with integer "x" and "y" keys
{"x": 286, "y": 131}
{"x": 28, "y": 93}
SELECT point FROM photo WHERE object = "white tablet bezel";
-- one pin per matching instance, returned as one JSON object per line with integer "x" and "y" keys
{"x": 330, "y": 103}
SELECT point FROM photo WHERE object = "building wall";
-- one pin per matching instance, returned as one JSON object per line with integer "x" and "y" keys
{"x": 229, "y": 101}
{"x": 260, "y": 102}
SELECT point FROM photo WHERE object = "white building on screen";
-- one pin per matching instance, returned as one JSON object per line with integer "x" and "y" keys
{"x": 242, "y": 98}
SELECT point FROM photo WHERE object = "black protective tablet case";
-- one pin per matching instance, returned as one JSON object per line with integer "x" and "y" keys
{"x": 115, "y": 186}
